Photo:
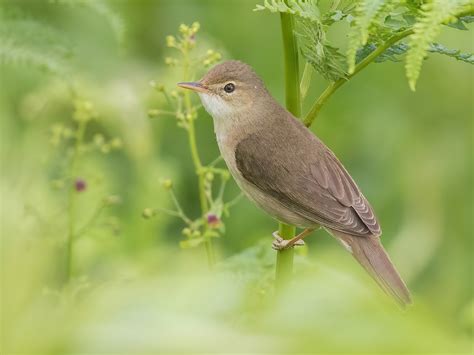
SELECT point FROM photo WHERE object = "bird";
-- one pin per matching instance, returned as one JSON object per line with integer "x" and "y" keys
{"x": 289, "y": 173}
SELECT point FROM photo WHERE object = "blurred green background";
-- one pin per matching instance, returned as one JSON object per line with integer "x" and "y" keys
{"x": 134, "y": 290}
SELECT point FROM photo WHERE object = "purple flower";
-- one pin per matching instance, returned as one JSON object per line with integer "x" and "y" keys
{"x": 213, "y": 220}
{"x": 80, "y": 185}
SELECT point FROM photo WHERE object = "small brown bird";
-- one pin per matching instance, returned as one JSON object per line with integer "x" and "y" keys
{"x": 288, "y": 172}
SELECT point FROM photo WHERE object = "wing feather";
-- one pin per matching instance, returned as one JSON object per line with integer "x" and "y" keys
{"x": 313, "y": 184}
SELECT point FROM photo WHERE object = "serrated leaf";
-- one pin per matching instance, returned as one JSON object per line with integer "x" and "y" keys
{"x": 306, "y": 9}
{"x": 453, "y": 53}
{"x": 324, "y": 58}
{"x": 433, "y": 15}
{"x": 459, "y": 25}
{"x": 390, "y": 54}
{"x": 368, "y": 14}
{"x": 24, "y": 41}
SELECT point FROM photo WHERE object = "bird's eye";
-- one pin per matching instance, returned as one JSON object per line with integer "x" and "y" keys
{"x": 228, "y": 88}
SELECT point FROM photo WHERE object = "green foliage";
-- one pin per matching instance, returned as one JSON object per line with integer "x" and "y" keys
{"x": 209, "y": 224}
{"x": 28, "y": 42}
{"x": 367, "y": 16}
{"x": 311, "y": 30}
{"x": 432, "y": 16}
{"x": 453, "y": 53}
{"x": 325, "y": 59}
{"x": 306, "y": 9}
{"x": 104, "y": 9}
{"x": 394, "y": 52}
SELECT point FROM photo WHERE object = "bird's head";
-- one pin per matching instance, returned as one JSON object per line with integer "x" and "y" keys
{"x": 228, "y": 89}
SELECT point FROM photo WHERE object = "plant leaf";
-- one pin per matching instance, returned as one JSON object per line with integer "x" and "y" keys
{"x": 433, "y": 14}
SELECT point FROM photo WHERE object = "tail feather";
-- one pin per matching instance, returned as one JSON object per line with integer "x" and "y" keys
{"x": 369, "y": 252}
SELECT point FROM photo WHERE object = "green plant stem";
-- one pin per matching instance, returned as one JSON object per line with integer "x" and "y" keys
{"x": 284, "y": 263}
{"x": 191, "y": 116}
{"x": 71, "y": 208}
{"x": 331, "y": 89}
{"x": 292, "y": 75}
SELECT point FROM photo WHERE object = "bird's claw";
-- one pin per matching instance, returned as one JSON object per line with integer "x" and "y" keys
{"x": 281, "y": 244}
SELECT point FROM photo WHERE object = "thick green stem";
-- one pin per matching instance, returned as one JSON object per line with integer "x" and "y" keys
{"x": 284, "y": 263}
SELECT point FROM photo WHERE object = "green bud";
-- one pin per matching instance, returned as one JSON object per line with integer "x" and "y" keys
{"x": 152, "y": 113}
{"x": 167, "y": 184}
{"x": 195, "y": 27}
{"x": 148, "y": 213}
{"x": 170, "y": 41}
{"x": 209, "y": 176}
{"x": 184, "y": 29}
{"x": 186, "y": 232}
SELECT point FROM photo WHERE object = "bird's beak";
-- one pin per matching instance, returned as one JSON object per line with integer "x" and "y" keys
{"x": 195, "y": 86}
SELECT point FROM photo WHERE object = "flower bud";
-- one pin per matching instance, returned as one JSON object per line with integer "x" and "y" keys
{"x": 170, "y": 41}
{"x": 148, "y": 213}
{"x": 167, "y": 184}
{"x": 152, "y": 113}
{"x": 213, "y": 221}
{"x": 80, "y": 185}
{"x": 209, "y": 176}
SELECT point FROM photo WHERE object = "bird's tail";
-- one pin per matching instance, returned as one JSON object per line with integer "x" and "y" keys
{"x": 369, "y": 252}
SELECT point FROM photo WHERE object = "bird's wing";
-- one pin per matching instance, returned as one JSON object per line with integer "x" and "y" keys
{"x": 310, "y": 180}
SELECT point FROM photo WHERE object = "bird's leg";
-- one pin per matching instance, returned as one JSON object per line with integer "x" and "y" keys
{"x": 279, "y": 243}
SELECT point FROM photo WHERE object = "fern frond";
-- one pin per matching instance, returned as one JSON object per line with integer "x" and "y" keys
{"x": 368, "y": 13}
{"x": 390, "y": 54}
{"x": 104, "y": 9}
{"x": 453, "y": 53}
{"x": 306, "y": 9}
{"x": 429, "y": 25}
{"x": 317, "y": 51}
{"x": 324, "y": 58}
{"x": 27, "y": 42}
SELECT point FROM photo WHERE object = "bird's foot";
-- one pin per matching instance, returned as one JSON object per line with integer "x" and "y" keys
{"x": 281, "y": 244}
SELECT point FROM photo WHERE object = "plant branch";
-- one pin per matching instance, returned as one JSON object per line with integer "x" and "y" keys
{"x": 71, "y": 208}
{"x": 329, "y": 91}
{"x": 284, "y": 263}
{"x": 190, "y": 113}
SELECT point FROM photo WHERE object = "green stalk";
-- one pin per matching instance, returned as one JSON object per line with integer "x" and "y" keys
{"x": 197, "y": 163}
{"x": 71, "y": 208}
{"x": 284, "y": 263}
